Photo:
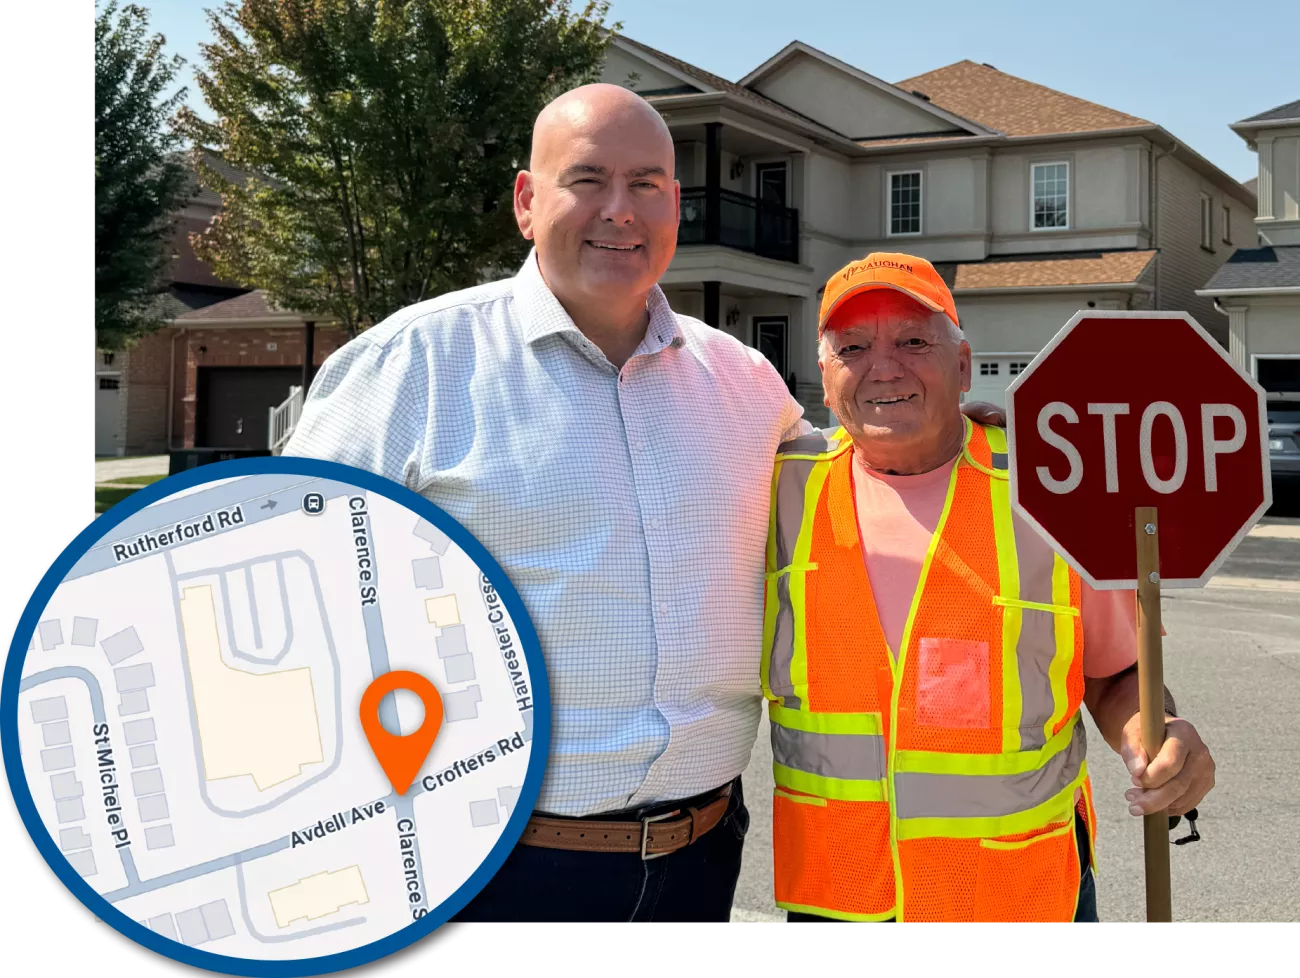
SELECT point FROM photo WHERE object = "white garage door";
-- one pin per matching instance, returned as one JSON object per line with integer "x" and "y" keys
{"x": 992, "y": 375}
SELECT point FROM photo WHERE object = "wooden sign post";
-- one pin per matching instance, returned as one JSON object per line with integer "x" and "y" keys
{"x": 1151, "y": 697}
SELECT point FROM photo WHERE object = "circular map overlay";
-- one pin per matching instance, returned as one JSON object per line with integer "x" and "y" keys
{"x": 182, "y": 735}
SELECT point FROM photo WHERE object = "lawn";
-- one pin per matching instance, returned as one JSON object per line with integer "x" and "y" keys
{"x": 109, "y": 494}
{"x": 137, "y": 480}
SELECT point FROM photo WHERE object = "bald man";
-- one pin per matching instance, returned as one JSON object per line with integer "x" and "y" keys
{"x": 615, "y": 458}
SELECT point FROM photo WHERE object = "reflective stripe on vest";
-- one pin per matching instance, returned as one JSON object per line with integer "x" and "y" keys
{"x": 1020, "y": 767}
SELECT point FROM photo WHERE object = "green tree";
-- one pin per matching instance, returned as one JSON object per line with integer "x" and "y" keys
{"x": 382, "y": 137}
{"x": 138, "y": 183}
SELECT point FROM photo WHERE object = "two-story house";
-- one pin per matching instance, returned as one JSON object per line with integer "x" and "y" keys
{"x": 210, "y": 376}
{"x": 1032, "y": 203}
{"x": 1258, "y": 287}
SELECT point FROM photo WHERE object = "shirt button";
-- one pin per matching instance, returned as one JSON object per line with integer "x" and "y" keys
{"x": 654, "y": 522}
{"x": 663, "y": 608}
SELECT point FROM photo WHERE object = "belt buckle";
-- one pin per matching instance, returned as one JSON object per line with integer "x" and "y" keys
{"x": 645, "y": 834}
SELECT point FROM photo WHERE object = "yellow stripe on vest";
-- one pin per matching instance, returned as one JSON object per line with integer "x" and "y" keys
{"x": 826, "y": 723}
{"x": 836, "y": 789}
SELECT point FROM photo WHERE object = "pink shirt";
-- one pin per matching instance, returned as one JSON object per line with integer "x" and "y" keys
{"x": 897, "y": 516}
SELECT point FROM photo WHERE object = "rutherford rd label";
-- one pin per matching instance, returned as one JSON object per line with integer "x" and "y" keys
{"x": 147, "y": 543}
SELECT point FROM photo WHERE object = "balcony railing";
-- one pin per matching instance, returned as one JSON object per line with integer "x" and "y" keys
{"x": 739, "y": 221}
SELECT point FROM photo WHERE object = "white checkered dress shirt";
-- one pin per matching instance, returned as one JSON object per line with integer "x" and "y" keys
{"x": 628, "y": 507}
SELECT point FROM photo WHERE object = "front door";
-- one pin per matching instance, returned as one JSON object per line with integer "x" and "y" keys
{"x": 232, "y": 404}
{"x": 771, "y": 335}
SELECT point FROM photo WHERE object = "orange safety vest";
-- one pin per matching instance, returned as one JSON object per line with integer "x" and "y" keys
{"x": 939, "y": 783}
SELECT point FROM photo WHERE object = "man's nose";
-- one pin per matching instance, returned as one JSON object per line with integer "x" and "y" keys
{"x": 884, "y": 366}
{"x": 616, "y": 207}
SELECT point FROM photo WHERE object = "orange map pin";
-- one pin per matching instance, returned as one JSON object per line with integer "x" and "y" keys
{"x": 401, "y": 757}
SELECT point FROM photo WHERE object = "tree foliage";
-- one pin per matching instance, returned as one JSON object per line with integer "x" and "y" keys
{"x": 382, "y": 137}
{"x": 138, "y": 183}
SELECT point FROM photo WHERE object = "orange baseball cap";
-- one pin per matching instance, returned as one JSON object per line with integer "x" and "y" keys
{"x": 914, "y": 277}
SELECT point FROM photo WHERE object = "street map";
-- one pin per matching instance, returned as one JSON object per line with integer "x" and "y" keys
{"x": 188, "y": 716}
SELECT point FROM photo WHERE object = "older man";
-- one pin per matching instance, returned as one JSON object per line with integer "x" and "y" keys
{"x": 615, "y": 458}
{"x": 927, "y": 654}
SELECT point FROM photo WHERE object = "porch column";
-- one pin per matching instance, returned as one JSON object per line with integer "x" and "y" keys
{"x": 308, "y": 355}
{"x": 1237, "y": 343}
{"x": 712, "y": 303}
{"x": 712, "y": 187}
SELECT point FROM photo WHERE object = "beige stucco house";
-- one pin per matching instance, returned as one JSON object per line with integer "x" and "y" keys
{"x": 1033, "y": 203}
{"x": 1259, "y": 288}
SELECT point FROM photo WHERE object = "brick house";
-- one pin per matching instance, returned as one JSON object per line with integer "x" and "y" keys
{"x": 208, "y": 378}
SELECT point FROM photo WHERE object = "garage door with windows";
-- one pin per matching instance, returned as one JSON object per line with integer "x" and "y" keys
{"x": 992, "y": 374}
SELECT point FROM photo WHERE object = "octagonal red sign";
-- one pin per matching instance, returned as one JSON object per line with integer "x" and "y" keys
{"x": 1128, "y": 409}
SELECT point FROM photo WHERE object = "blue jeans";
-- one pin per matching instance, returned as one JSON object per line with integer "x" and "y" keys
{"x": 695, "y": 883}
{"x": 1085, "y": 911}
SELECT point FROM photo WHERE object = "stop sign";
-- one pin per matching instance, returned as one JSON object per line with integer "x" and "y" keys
{"x": 1128, "y": 409}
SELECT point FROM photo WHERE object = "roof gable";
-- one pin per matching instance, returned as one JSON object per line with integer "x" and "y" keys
{"x": 704, "y": 81}
{"x": 646, "y": 74}
{"x": 849, "y": 100}
{"x": 1014, "y": 106}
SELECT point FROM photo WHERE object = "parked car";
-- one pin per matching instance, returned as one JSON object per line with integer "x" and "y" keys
{"x": 1284, "y": 438}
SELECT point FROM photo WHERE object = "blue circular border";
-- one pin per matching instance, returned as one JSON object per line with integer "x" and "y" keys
{"x": 222, "y": 963}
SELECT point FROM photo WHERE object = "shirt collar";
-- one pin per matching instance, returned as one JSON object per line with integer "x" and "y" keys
{"x": 541, "y": 314}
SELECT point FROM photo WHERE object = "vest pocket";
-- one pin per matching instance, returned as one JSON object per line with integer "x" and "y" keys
{"x": 952, "y": 684}
{"x": 832, "y": 857}
{"x": 1033, "y": 879}
{"x": 799, "y": 826}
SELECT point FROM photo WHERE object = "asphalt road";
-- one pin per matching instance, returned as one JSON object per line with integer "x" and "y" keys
{"x": 1232, "y": 659}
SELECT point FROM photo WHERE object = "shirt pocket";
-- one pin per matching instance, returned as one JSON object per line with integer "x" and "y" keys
{"x": 952, "y": 684}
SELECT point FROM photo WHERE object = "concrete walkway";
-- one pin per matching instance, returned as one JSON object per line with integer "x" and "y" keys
{"x": 108, "y": 469}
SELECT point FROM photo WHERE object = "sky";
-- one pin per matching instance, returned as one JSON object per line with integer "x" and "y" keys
{"x": 1191, "y": 66}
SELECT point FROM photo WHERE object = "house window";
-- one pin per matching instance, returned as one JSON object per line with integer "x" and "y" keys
{"x": 109, "y": 383}
{"x": 1051, "y": 195}
{"x": 1207, "y": 223}
{"x": 108, "y": 359}
{"x": 1018, "y": 365}
{"x": 989, "y": 368}
{"x": 905, "y": 203}
{"x": 1227, "y": 225}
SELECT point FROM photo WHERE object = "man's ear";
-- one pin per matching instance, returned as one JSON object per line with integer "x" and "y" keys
{"x": 963, "y": 362}
{"x": 524, "y": 203}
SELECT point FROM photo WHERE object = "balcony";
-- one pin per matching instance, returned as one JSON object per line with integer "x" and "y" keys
{"x": 733, "y": 220}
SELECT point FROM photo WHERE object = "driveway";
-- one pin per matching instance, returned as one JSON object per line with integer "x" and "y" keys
{"x": 109, "y": 469}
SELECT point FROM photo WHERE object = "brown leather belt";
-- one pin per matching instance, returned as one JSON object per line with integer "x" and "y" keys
{"x": 651, "y": 837}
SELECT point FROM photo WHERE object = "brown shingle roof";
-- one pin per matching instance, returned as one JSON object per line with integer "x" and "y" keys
{"x": 1113, "y": 268}
{"x": 947, "y": 139}
{"x": 1012, "y": 105}
{"x": 250, "y": 305}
